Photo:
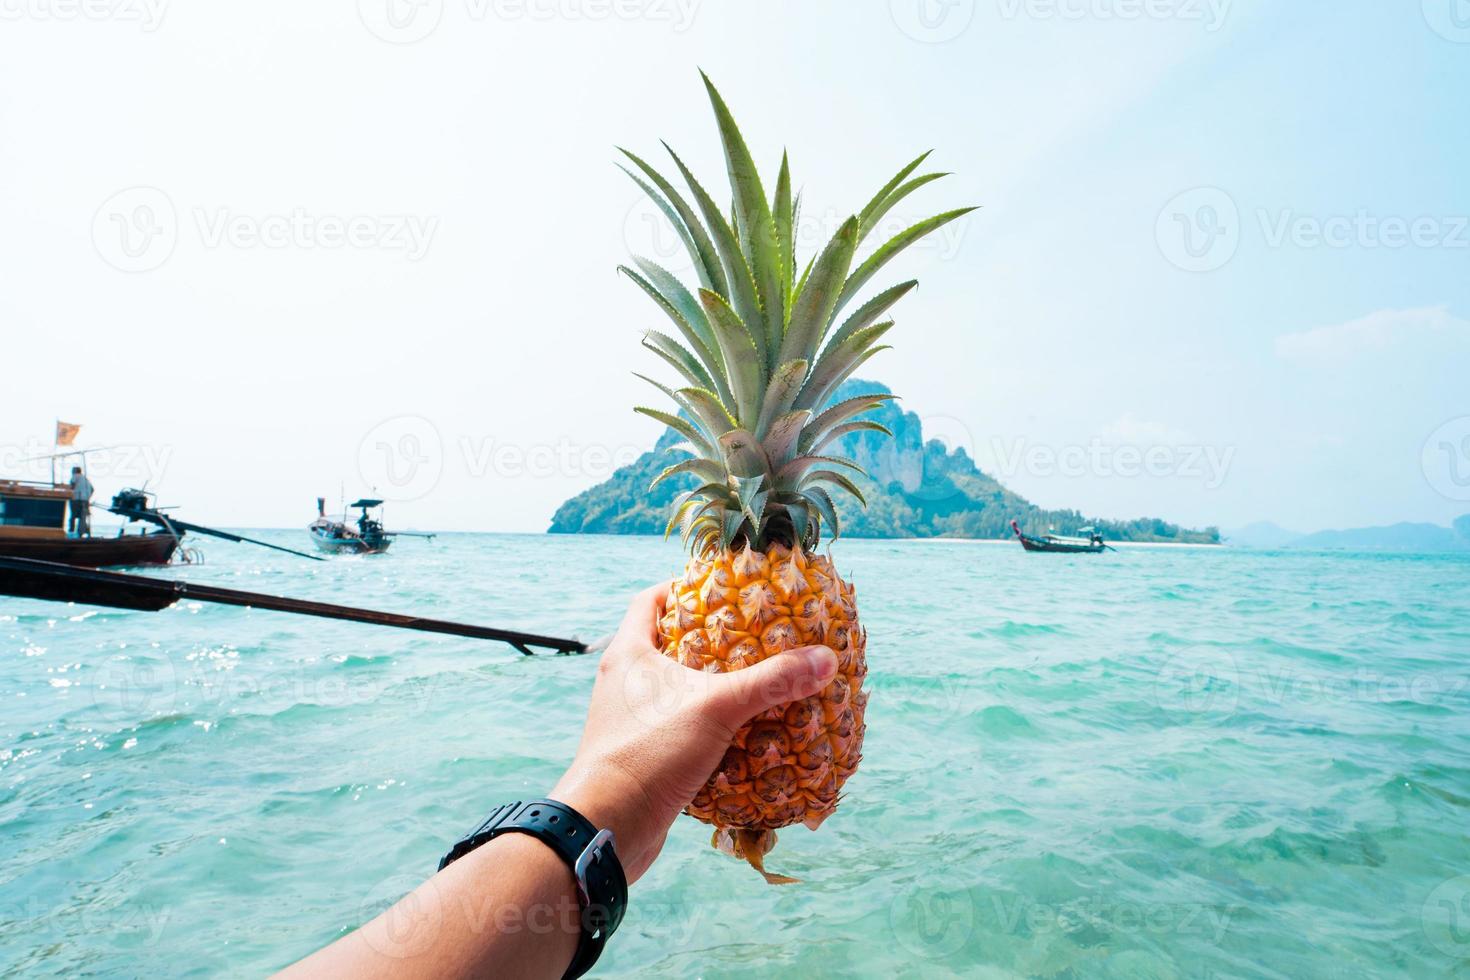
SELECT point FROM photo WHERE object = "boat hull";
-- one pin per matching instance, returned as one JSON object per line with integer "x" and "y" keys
{"x": 1039, "y": 544}
{"x": 334, "y": 544}
{"x": 122, "y": 551}
{"x": 1048, "y": 546}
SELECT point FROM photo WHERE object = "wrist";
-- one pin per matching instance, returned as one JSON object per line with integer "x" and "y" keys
{"x": 610, "y": 799}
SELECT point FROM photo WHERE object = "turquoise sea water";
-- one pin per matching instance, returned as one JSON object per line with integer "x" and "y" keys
{"x": 1158, "y": 763}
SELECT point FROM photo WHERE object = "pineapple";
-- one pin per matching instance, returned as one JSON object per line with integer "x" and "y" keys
{"x": 758, "y": 360}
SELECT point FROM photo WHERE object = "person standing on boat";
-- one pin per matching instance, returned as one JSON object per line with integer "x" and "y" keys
{"x": 81, "y": 503}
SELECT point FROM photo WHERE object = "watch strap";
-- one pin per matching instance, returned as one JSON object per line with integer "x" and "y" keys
{"x": 602, "y": 887}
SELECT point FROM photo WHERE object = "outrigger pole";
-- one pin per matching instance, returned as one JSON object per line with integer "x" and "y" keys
{"x": 152, "y": 515}
{"x": 53, "y": 581}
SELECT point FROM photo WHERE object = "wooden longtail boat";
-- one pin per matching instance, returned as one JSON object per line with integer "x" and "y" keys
{"x": 33, "y": 525}
{"x": 1059, "y": 544}
{"x": 340, "y": 538}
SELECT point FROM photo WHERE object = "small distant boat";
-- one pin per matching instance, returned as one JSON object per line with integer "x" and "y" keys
{"x": 368, "y": 537}
{"x": 1091, "y": 544}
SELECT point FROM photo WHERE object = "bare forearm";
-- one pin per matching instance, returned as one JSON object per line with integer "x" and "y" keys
{"x": 508, "y": 908}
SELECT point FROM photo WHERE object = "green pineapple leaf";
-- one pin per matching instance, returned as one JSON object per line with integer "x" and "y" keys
{"x": 892, "y": 247}
{"x": 785, "y": 216}
{"x": 742, "y": 357}
{"x": 785, "y": 385}
{"x": 681, "y": 426}
{"x": 754, "y": 226}
{"x": 742, "y": 288}
{"x": 817, "y": 301}
{"x": 706, "y": 259}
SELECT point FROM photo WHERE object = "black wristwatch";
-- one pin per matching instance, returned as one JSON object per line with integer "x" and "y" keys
{"x": 602, "y": 888}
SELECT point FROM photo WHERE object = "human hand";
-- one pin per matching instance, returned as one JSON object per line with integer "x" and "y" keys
{"x": 656, "y": 730}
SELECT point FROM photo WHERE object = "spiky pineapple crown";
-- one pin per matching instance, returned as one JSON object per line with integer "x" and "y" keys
{"x": 759, "y": 358}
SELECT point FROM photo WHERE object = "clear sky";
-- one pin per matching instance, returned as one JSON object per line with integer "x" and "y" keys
{"x": 282, "y": 249}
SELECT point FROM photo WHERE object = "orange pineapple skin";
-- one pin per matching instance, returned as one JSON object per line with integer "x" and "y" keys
{"x": 735, "y": 608}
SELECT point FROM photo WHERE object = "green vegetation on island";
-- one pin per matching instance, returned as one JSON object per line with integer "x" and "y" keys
{"x": 915, "y": 489}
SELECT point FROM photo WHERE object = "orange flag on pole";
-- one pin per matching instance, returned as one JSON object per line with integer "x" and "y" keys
{"x": 66, "y": 433}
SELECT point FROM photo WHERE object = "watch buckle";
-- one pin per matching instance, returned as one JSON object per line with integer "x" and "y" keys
{"x": 592, "y": 852}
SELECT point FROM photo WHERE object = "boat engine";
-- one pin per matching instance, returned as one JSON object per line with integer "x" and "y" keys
{"x": 128, "y": 502}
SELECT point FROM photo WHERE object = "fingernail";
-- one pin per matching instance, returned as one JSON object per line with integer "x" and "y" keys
{"x": 821, "y": 661}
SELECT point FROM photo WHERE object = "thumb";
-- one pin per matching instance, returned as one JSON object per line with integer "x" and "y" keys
{"x": 787, "y": 676}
